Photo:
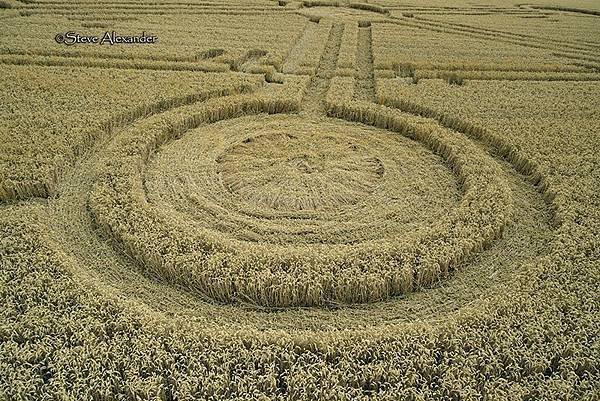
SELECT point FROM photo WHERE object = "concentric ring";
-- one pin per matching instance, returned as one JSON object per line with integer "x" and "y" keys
{"x": 228, "y": 269}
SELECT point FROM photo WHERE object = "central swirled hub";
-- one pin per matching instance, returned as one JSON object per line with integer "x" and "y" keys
{"x": 300, "y": 170}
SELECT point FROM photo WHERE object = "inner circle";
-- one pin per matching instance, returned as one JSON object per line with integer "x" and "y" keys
{"x": 300, "y": 170}
{"x": 294, "y": 180}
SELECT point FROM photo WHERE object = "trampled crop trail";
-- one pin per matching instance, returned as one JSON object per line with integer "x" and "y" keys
{"x": 365, "y": 84}
{"x": 314, "y": 100}
{"x": 298, "y": 52}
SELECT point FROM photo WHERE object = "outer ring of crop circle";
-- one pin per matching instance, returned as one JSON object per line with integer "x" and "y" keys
{"x": 398, "y": 278}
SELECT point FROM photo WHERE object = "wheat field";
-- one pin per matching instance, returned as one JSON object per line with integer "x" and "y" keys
{"x": 299, "y": 200}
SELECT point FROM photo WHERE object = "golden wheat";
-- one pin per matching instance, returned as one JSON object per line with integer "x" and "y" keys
{"x": 70, "y": 119}
{"x": 365, "y": 201}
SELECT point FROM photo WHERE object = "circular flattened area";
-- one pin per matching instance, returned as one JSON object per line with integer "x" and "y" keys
{"x": 289, "y": 179}
{"x": 300, "y": 169}
{"x": 404, "y": 226}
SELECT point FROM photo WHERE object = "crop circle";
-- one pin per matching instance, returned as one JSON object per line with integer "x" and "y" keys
{"x": 188, "y": 221}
